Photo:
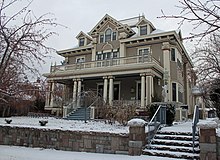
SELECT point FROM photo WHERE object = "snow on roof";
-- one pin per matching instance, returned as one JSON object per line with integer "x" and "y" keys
{"x": 136, "y": 122}
{"x": 131, "y": 21}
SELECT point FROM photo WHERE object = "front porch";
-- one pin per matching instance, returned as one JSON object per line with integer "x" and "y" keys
{"x": 131, "y": 89}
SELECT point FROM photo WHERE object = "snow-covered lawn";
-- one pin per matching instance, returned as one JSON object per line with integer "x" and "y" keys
{"x": 23, "y": 153}
{"x": 53, "y": 123}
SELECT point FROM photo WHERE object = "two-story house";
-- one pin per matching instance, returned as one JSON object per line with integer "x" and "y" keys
{"x": 124, "y": 60}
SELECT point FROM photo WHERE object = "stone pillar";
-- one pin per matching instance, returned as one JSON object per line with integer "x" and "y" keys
{"x": 74, "y": 92}
{"x": 137, "y": 137}
{"x": 105, "y": 89}
{"x": 149, "y": 89}
{"x": 111, "y": 90}
{"x": 207, "y": 140}
{"x": 79, "y": 92}
{"x": 52, "y": 94}
{"x": 142, "y": 90}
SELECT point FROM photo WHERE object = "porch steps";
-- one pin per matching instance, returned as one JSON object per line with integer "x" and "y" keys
{"x": 174, "y": 145}
{"x": 79, "y": 114}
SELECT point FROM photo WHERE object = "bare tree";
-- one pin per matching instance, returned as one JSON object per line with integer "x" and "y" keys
{"x": 202, "y": 14}
{"x": 22, "y": 44}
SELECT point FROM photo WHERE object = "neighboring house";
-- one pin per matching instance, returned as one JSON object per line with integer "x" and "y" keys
{"x": 125, "y": 60}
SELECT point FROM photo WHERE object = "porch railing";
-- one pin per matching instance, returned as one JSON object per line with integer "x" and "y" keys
{"x": 136, "y": 103}
{"x": 105, "y": 63}
{"x": 158, "y": 119}
{"x": 195, "y": 121}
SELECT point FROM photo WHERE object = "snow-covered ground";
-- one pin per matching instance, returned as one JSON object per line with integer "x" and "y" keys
{"x": 53, "y": 123}
{"x": 23, "y": 153}
{"x": 180, "y": 126}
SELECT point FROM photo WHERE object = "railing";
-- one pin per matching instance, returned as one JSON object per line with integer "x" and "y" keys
{"x": 158, "y": 119}
{"x": 127, "y": 103}
{"x": 195, "y": 121}
{"x": 105, "y": 63}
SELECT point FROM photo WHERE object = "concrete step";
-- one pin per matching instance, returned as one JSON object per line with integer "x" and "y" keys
{"x": 175, "y": 137}
{"x": 79, "y": 114}
{"x": 177, "y": 155}
{"x": 175, "y": 148}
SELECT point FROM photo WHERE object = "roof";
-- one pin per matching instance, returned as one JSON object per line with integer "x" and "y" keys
{"x": 131, "y": 21}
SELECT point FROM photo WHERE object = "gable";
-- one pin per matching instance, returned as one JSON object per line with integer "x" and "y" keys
{"x": 113, "y": 22}
{"x": 83, "y": 35}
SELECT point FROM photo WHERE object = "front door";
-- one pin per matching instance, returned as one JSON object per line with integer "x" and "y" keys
{"x": 116, "y": 91}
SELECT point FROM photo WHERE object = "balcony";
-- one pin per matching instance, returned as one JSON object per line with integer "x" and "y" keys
{"x": 122, "y": 61}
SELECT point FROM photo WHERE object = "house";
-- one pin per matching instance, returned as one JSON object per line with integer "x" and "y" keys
{"x": 126, "y": 60}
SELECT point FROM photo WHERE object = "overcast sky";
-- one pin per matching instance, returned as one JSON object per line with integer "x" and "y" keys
{"x": 83, "y": 15}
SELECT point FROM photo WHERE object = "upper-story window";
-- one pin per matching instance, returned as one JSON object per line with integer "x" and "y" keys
{"x": 101, "y": 38}
{"x": 81, "y": 41}
{"x": 114, "y": 36}
{"x": 80, "y": 59}
{"x": 144, "y": 52}
{"x": 108, "y": 35}
{"x": 173, "y": 54}
{"x": 143, "y": 30}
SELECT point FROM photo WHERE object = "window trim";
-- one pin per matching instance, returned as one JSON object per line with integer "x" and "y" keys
{"x": 145, "y": 25}
{"x": 110, "y": 39}
{"x": 80, "y": 57}
{"x": 138, "y": 50}
{"x": 171, "y": 59}
{"x": 83, "y": 42}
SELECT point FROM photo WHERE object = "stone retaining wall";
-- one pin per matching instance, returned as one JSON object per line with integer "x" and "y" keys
{"x": 218, "y": 147}
{"x": 65, "y": 140}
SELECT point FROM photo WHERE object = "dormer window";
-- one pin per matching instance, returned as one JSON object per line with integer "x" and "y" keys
{"x": 108, "y": 35}
{"x": 143, "y": 30}
{"x": 81, "y": 41}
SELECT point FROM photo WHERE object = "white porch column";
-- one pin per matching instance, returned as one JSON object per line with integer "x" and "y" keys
{"x": 105, "y": 89}
{"x": 79, "y": 92}
{"x": 111, "y": 89}
{"x": 74, "y": 92}
{"x": 149, "y": 89}
{"x": 52, "y": 94}
{"x": 142, "y": 90}
{"x": 47, "y": 104}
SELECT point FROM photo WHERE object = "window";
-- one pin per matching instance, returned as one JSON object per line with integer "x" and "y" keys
{"x": 180, "y": 93}
{"x": 107, "y": 55}
{"x": 101, "y": 38}
{"x": 108, "y": 35}
{"x": 80, "y": 60}
{"x": 144, "y": 52}
{"x": 114, "y": 36}
{"x": 174, "y": 91}
{"x": 143, "y": 30}
{"x": 81, "y": 41}
{"x": 173, "y": 54}
{"x": 98, "y": 56}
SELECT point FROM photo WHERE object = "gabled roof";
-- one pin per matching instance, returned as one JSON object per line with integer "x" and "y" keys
{"x": 143, "y": 19}
{"x": 82, "y": 34}
{"x": 108, "y": 18}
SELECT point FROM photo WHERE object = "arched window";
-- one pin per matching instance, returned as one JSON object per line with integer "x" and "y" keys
{"x": 108, "y": 35}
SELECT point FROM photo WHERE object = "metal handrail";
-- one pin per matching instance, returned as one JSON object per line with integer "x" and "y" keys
{"x": 194, "y": 124}
{"x": 156, "y": 123}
